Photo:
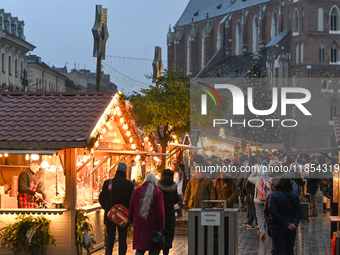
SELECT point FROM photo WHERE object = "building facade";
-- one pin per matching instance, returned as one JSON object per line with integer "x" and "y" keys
{"x": 42, "y": 78}
{"x": 296, "y": 39}
{"x": 13, "y": 50}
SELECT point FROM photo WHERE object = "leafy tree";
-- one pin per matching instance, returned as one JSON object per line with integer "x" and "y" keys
{"x": 165, "y": 108}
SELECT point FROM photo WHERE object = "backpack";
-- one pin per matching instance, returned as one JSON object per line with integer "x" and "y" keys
{"x": 264, "y": 188}
{"x": 118, "y": 214}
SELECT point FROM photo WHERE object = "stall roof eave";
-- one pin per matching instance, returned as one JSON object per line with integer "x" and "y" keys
{"x": 184, "y": 146}
{"x": 329, "y": 149}
{"x": 40, "y": 152}
{"x": 122, "y": 152}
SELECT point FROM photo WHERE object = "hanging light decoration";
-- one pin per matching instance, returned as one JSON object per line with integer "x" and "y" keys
{"x": 128, "y": 133}
{"x": 96, "y": 144}
{"x": 27, "y": 157}
{"x": 33, "y": 156}
{"x": 125, "y": 127}
{"x": 6, "y": 155}
{"x": 121, "y": 120}
{"x": 131, "y": 140}
{"x": 133, "y": 146}
{"x": 44, "y": 164}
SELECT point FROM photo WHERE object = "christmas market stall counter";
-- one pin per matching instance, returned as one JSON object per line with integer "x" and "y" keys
{"x": 78, "y": 139}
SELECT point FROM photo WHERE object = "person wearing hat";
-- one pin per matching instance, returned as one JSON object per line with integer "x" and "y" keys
{"x": 170, "y": 198}
{"x": 121, "y": 191}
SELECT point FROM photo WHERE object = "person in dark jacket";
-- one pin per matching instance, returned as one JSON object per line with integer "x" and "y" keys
{"x": 226, "y": 189}
{"x": 285, "y": 214}
{"x": 250, "y": 188}
{"x": 312, "y": 188}
{"x": 121, "y": 191}
{"x": 170, "y": 198}
{"x": 27, "y": 186}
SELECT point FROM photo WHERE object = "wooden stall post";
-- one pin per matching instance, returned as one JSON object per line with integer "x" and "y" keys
{"x": 71, "y": 194}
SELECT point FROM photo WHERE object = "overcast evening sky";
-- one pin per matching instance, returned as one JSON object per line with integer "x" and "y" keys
{"x": 61, "y": 31}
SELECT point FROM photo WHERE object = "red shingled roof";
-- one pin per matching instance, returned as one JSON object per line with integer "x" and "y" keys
{"x": 49, "y": 120}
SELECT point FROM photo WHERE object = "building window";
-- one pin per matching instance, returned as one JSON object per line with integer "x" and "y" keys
{"x": 188, "y": 60}
{"x": 0, "y": 23}
{"x": 218, "y": 44}
{"x": 296, "y": 22}
{"x": 3, "y": 62}
{"x": 320, "y": 19}
{"x": 9, "y": 65}
{"x": 202, "y": 51}
{"x": 238, "y": 38}
{"x": 6, "y": 23}
{"x": 13, "y": 29}
{"x": 19, "y": 31}
{"x": 16, "y": 67}
{"x": 333, "y": 110}
{"x": 280, "y": 74}
{"x": 334, "y": 22}
{"x": 36, "y": 85}
{"x": 301, "y": 53}
{"x": 274, "y": 29}
{"x": 322, "y": 52}
{"x": 334, "y": 52}
{"x": 285, "y": 74}
{"x": 297, "y": 53}
{"x": 289, "y": 21}
{"x": 302, "y": 20}
{"x": 255, "y": 34}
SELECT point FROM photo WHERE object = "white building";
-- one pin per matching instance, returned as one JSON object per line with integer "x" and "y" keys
{"x": 13, "y": 49}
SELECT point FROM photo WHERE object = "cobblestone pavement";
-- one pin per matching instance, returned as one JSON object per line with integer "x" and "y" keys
{"x": 313, "y": 238}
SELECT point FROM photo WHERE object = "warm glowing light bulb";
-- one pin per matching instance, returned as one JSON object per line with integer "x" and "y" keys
{"x": 108, "y": 124}
{"x": 92, "y": 150}
{"x": 125, "y": 126}
{"x": 131, "y": 140}
{"x": 44, "y": 164}
{"x": 34, "y": 157}
{"x": 119, "y": 113}
{"x": 128, "y": 133}
{"x": 133, "y": 146}
{"x": 96, "y": 143}
{"x": 0, "y": 155}
{"x": 27, "y": 157}
{"x": 6, "y": 155}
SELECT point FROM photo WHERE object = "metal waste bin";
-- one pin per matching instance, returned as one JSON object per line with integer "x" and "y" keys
{"x": 213, "y": 231}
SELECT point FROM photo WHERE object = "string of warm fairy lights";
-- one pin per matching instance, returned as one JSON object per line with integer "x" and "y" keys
{"x": 117, "y": 109}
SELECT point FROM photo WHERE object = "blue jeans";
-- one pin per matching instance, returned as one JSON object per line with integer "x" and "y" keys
{"x": 284, "y": 241}
{"x": 139, "y": 252}
{"x": 111, "y": 235}
{"x": 260, "y": 217}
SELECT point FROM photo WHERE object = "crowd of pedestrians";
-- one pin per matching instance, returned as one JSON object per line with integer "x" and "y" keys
{"x": 271, "y": 198}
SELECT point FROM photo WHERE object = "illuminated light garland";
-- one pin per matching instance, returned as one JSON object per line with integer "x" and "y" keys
{"x": 131, "y": 140}
{"x": 133, "y": 146}
{"x": 128, "y": 133}
{"x": 121, "y": 120}
{"x": 125, "y": 127}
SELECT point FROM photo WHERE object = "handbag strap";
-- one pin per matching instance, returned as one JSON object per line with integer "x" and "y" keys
{"x": 110, "y": 192}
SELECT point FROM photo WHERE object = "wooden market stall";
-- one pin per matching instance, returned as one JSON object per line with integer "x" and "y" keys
{"x": 80, "y": 138}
